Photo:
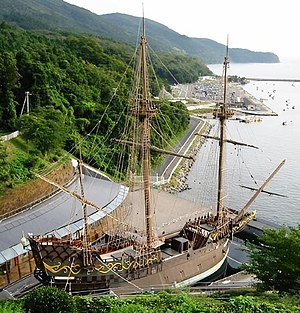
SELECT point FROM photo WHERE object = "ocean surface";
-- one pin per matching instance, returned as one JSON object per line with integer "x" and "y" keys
{"x": 277, "y": 139}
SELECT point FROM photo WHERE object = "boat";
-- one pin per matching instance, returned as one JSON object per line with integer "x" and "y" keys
{"x": 125, "y": 258}
{"x": 249, "y": 119}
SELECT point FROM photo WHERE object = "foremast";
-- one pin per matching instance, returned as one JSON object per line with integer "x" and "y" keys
{"x": 222, "y": 113}
{"x": 144, "y": 110}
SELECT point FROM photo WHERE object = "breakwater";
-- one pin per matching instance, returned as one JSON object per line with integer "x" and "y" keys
{"x": 274, "y": 79}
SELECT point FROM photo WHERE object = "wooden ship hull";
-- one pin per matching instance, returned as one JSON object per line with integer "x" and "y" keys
{"x": 124, "y": 264}
{"x": 127, "y": 270}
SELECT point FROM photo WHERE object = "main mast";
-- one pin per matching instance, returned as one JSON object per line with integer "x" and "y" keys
{"x": 87, "y": 258}
{"x": 144, "y": 111}
{"x": 222, "y": 113}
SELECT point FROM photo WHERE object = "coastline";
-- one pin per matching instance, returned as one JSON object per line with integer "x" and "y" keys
{"x": 172, "y": 174}
{"x": 180, "y": 174}
{"x": 176, "y": 181}
{"x": 257, "y": 107}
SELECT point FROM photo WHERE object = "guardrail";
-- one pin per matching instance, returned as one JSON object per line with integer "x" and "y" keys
{"x": 10, "y": 136}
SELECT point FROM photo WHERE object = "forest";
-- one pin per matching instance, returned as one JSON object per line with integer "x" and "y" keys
{"x": 58, "y": 15}
{"x": 74, "y": 81}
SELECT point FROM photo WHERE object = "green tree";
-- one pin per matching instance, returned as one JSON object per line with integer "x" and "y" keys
{"x": 46, "y": 128}
{"x": 78, "y": 75}
{"x": 9, "y": 78}
{"x": 180, "y": 68}
{"x": 48, "y": 300}
{"x": 276, "y": 259}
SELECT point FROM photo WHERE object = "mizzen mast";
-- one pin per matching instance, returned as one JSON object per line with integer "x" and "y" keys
{"x": 222, "y": 113}
{"x": 144, "y": 111}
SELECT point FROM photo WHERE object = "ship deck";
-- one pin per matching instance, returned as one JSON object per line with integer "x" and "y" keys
{"x": 61, "y": 214}
{"x": 170, "y": 212}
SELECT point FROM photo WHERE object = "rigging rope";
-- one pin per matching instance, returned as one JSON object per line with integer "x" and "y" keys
{"x": 123, "y": 278}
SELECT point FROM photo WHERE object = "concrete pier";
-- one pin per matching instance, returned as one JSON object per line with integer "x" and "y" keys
{"x": 255, "y": 107}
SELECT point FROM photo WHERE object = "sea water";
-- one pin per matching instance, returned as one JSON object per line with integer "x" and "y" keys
{"x": 277, "y": 139}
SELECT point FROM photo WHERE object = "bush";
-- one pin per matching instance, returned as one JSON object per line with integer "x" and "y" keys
{"x": 131, "y": 308}
{"x": 249, "y": 304}
{"x": 48, "y": 300}
{"x": 85, "y": 304}
{"x": 11, "y": 306}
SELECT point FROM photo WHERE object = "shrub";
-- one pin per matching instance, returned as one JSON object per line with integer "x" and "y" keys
{"x": 48, "y": 300}
{"x": 11, "y": 306}
{"x": 85, "y": 304}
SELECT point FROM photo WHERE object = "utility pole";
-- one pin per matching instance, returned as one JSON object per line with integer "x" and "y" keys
{"x": 26, "y": 102}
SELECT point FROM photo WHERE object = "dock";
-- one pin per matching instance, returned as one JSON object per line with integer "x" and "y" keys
{"x": 245, "y": 103}
{"x": 255, "y": 107}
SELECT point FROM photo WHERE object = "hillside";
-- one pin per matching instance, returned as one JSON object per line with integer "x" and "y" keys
{"x": 74, "y": 82}
{"x": 57, "y": 15}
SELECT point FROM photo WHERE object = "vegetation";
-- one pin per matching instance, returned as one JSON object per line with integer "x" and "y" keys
{"x": 276, "y": 259}
{"x": 9, "y": 78}
{"x": 11, "y": 306}
{"x": 75, "y": 82}
{"x": 46, "y": 127}
{"x": 19, "y": 158}
{"x": 50, "y": 299}
{"x": 56, "y": 15}
{"x": 204, "y": 110}
{"x": 237, "y": 79}
{"x": 179, "y": 65}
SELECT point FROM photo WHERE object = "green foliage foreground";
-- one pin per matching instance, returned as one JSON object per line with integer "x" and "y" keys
{"x": 52, "y": 300}
{"x": 275, "y": 260}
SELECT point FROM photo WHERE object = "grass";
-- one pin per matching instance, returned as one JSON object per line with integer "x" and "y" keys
{"x": 20, "y": 143}
{"x": 14, "y": 145}
{"x": 202, "y": 111}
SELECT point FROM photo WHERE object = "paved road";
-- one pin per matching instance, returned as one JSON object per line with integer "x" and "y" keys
{"x": 19, "y": 288}
{"x": 171, "y": 162}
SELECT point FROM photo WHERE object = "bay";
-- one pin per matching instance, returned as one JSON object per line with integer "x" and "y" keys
{"x": 277, "y": 139}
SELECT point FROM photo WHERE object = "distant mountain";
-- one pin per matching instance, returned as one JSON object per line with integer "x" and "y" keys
{"x": 57, "y": 15}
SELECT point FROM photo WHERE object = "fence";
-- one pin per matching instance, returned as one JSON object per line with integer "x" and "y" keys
{"x": 9, "y": 136}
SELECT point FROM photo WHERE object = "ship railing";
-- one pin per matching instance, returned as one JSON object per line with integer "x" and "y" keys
{"x": 155, "y": 180}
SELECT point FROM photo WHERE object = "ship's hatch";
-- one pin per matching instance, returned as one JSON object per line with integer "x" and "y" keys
{"x": 180, "y": 244}
{"x": 207, "y": 227}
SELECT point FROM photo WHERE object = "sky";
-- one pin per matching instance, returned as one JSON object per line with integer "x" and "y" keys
{"x": 258, "y": 25}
